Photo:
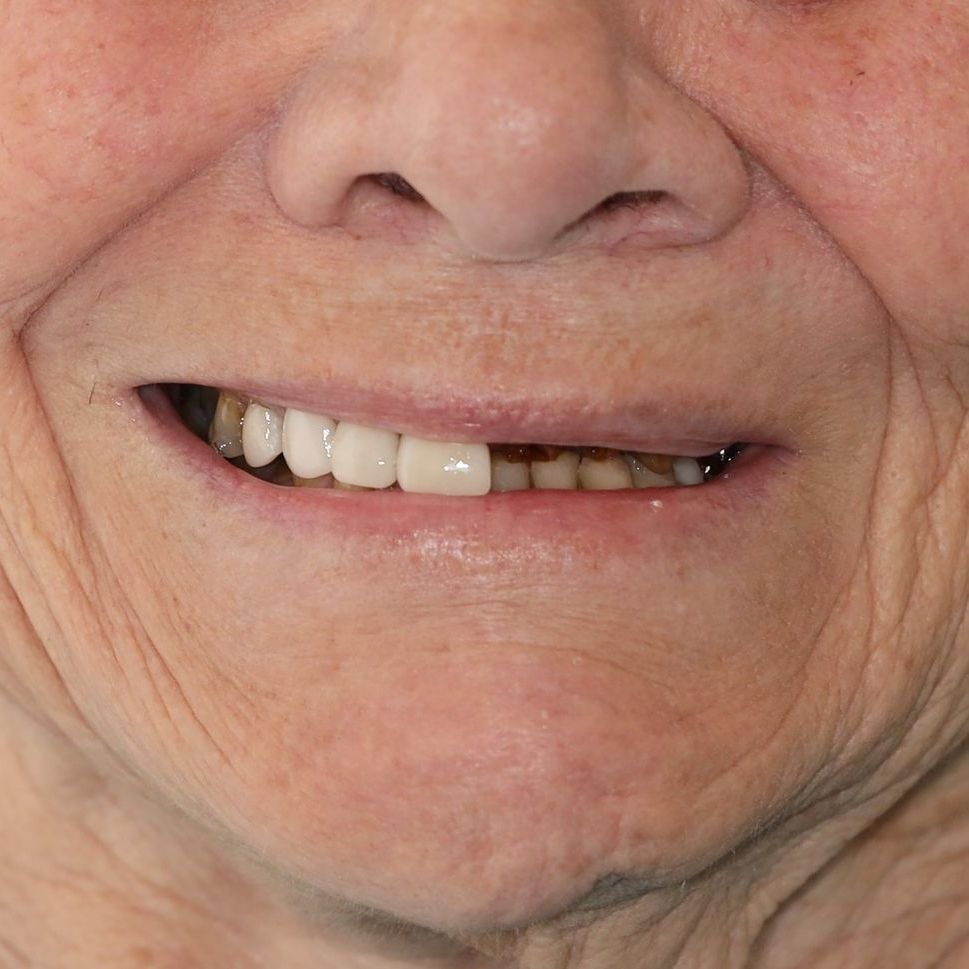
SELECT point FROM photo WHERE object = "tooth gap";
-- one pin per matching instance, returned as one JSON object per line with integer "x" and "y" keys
{"x": 197, "y": 406}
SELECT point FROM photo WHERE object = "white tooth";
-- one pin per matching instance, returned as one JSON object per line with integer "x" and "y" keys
{"x": 308, "y": 443}
{"x": 364, "y": 456}
{"x": 225, "y": 431}
{"x": 443, "y": 468}
{"x": 508, "y": 475}
{"x": 687, "y": 471}
{"x": 604, "y": 474}
{"x": 644, "y": 478}
{"x": 262, "y": 435}
{"x": 557, "y": 474}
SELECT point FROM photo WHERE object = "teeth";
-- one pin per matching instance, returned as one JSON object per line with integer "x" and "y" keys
{"x": 364, "y": 456}
{"x": 560, "y": 473}
{"x": 436, "y": 468}
{"x": 262, "y": 435}
{"x": 225, "y": 431}
{"x": 508, "y": 475}
{"x": 308, "y": 443}
{"x": 321, "y": 453}
{"x": 326, "y": 481}
{"x": 687, "y": 471}
{"x": 604, "y": 473}
{"x": 645, "y": 477}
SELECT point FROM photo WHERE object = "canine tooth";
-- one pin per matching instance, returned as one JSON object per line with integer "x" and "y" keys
{"x": 308, "y": 443}
{"x": 657, "y": 463}
{"x": 225, "y": 431}
{"x": 687, "y": 471}
{"x": 364, "y": 456}
{"x": 443, "y": 468}
{"x": 643, "y": 477}
{"x": 558, "y": 473}
{"x": 604, "y": 474}
{"x": 262, "y": 434}
{"x": 508, "y": 475}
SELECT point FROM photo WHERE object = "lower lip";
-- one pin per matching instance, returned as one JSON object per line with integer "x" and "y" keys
{"x": 747, "y": 486}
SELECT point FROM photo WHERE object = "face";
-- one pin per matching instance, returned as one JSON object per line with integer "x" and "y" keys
{"x": 652, "y": 227}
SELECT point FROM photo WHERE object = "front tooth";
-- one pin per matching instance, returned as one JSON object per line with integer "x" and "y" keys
{"x": 364, "y": 456}
{"x": 560, "y": 473}
{"x": 308, "y": 443}
{"x": 687, "y": 471}
{"x": 644, "y": 477}
{"x": 508, "y": 475}
{"x": 604, "y": 474}
{"x": 262, "y": 435}
{"x": 225, "y": 431}
{"x": 439, "y": 468}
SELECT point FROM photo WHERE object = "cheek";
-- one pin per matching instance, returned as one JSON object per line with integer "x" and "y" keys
{"x": 859, "y": 108}
{"x": 107, "y": 106}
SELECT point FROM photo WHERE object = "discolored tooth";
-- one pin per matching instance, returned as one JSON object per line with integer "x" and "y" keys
{"x": 308, "y": 443}
{"x": 508, "y": 475}
{"x": 657, "y": 463}
{"x": 325, "y": 481}
{"x": 443, "y": 468}
{"x": 644, "y": 477}
{"x": 604, "y": 473}
{"x": 557, "y": 474}
{"x": 225, "y": 431}
{"x": 364, "y": 456}
{"x": 262, "y": 434}
{"x": 687, "y": 471}
{"x": 343, "y": 486}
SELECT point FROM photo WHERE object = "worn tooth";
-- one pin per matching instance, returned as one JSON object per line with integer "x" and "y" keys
{"x": 657, "y": 463}
{"x": 609, "y": 473}
{"x": 559, "y": 473}
{"x": 308, "y": 443}
{"x": 262, "y": 434}
{"x": 644, "y": 477}
{"x": 443, "y": 468}
{"x": 364, "y": 456}
{"x": 325, "y": 481}
{"x": 225, "y": 431}
{"x": 508, "y": 475}
{"x": 343, "y": 486}
{"x": 687, "y": 471}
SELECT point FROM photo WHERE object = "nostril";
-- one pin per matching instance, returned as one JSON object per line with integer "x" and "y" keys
{"x": 398, "y": 185}
{"x": 631, "y": 200}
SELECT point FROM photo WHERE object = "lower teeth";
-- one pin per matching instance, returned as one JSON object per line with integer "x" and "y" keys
{"x": 222, "y": 419}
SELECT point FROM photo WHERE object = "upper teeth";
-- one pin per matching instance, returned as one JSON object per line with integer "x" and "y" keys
{"x": 322, "y": 452}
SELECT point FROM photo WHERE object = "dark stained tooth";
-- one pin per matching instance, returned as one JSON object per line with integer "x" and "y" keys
{"x": 657, "y": 463}
{"x": 599, "y": 453}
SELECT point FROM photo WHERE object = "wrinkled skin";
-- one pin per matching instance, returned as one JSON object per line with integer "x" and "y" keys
{"x": 234, "y": 737}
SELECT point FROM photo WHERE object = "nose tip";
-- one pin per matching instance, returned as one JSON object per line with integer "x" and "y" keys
{"x": 514, "y": 126}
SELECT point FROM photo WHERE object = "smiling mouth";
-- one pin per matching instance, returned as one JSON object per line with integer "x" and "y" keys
{"x": 295, "y": 448}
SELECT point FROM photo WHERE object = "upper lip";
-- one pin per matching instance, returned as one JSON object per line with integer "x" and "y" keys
{"x": 691, "y": 426}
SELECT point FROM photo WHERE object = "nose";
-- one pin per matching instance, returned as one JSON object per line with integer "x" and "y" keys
{"x": 518, "y": 126}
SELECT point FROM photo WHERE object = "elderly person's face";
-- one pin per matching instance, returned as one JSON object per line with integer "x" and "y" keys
{"x": 662, "y": 228}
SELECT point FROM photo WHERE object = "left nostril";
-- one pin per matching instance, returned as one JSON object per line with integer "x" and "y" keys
{"x": 398, "y": 185}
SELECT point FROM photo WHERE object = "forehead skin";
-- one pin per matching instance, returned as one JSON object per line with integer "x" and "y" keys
{"x": 855, "y": 107}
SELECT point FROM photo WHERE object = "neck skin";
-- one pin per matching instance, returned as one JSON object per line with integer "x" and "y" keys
{"x": 95, "y": 868}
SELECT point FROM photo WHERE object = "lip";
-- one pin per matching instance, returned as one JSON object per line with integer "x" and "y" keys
{"x": 749, "y": 483}
{"x": 688, "y": 425}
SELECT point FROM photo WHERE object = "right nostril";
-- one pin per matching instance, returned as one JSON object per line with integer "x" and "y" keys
{"x": 631, "y": 200}
{"x": 398, "y": 185}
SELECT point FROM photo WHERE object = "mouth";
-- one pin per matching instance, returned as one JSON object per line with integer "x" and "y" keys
{"x": 291, "y": 447}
